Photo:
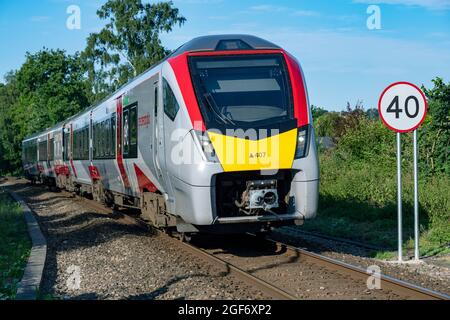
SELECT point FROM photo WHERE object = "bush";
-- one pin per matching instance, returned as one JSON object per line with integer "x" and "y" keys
{"x": 358, "y": 188}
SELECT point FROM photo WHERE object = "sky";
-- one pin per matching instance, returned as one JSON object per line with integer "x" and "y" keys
{"x": 343, "y": 60}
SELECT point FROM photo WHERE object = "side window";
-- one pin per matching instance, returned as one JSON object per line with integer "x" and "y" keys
{"x": 133, "y": 132}
{"x": 102, "y": 139}
{"x": 108, "y": 138}
{"x": 113, "y": 136}
{"x": 75, "y": 145}
{"x": 156, "y": 100}
{"x": 51, "y": 149}
{"x": 125, "y": 129}
{"x": 66, "y": 146}
{"x": 170, "y": 102}
{"x": 96, "y": 141}
{"x": 130, "y": 131}
{"x": 86, "y": 144}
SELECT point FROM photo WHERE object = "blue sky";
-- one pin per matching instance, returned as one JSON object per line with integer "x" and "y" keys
{"x": 342, "y": 59}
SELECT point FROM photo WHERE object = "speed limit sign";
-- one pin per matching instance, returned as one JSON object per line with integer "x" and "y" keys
{"x": 402, "y": 107}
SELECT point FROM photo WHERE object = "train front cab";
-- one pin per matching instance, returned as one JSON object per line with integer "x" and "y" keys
{"x": 253, "y": 131}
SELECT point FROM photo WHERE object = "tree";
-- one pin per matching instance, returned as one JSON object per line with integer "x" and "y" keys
{"x": 129, "y": 43}
{"x": 48, "y": 88}
{"x": 436, "y": 134}
{"x": 317, "y": 112}
{"x": 372, "y": 114}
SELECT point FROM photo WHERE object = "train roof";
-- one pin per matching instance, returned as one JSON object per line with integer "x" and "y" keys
{"x": 225, "y": 42}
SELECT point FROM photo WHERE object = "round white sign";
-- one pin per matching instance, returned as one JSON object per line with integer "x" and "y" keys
{"x": 402, "y": 107}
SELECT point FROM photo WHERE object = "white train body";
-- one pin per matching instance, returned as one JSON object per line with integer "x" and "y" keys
{"x": 217, "y": 137}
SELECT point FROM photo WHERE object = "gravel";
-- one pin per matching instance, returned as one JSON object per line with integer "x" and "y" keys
{"x": 116, "y": 259}
{"x": 305, "y": 279}
{"x": 431, "y": 273}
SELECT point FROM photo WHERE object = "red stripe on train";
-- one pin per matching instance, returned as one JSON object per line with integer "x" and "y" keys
{"x": 143, "y": 181}
{"x": 298, "y": 91}
{"x": 94, "y": 173}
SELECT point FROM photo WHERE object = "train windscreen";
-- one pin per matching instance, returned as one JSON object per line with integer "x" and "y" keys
{"x": 242, "y": 90}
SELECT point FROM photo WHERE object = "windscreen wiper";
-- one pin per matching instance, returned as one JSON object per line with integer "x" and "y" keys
{"x": 212, "y": 105}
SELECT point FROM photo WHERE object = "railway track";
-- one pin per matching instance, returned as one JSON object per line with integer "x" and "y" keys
{"x": 244, "y": 268}
{"x": 399, "y": 288}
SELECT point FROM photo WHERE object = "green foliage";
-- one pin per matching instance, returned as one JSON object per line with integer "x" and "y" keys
{"x": 436, "y": 135}
{"x": 317, "y": 112}
{"x": 358, "y": 185}
{"x": 48, "y": 88}
{"x": 129, "y": 43}
{"x": 326, "y": 124}
{"x": 14, "y": 246}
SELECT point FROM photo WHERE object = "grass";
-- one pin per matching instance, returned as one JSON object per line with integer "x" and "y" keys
{"x": 358, "y": 202}
{"x": 15, "y": 246}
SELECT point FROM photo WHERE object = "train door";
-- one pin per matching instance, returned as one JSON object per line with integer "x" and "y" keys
{"x": 120, "y": 144}
{"x": 156, "y": 137}
{"x": 160, "y": 150}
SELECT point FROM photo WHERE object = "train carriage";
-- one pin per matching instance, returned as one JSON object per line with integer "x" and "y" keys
{"x": 218, "y": 137}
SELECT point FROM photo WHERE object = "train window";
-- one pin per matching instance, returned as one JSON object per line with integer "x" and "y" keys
{"x": 126, "y": 138}
{"x": 133, "y": 132}
{"x": 43, "y": 150}
{"x": 51, "y": 149}
{"x": 75, "y": 146}
{"x": 156, "y": 100}
{"x": 95, "y": 141}
{"x": 102, "y": 140}
{"x": 81, "y": 144}
{"x": 108, "y": 137}
{"x": 105, "y": 139}
{"x": 113, "y": 136}
{"x": 170, "y": 102}
{"x": 86, "y": 144}
{"x": 130, "y": 131}
{"x": 66, "y": 146}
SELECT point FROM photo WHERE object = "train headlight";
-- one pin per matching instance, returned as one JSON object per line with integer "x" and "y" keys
{"x": 207, "y": 146}
{"x": 302, "y": 142}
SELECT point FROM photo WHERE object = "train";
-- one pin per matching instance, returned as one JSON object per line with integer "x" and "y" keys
{"x": 216, "y": 138}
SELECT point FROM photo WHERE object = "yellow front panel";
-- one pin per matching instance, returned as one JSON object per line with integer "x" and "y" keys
{"x": 236, "y": 154}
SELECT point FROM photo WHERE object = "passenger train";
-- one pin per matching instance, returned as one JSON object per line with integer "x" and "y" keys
{"x": 217, "y": 137}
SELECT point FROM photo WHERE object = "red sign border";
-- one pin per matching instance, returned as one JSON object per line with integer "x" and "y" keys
{"x": 424, "y": 98}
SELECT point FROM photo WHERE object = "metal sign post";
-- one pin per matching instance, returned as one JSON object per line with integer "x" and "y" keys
{"x": 416, "y": 198}
{"x": 399, "y": 196}
{"x": 403, "y": 108}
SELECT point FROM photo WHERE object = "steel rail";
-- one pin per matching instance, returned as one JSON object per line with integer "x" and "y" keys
{"x": 403, "y": 288}
{"x": 230, "y": 269}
